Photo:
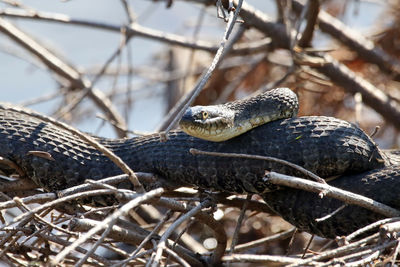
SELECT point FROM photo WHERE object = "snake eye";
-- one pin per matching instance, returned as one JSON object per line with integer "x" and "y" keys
{"x": 204, "y": 115}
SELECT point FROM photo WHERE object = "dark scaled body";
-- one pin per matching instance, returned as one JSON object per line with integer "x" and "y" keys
{"x": 323, "y": 145}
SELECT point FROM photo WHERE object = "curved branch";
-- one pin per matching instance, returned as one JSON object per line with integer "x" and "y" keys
{"x": 136, "y": 29}
{"x": 330, "y": 191}
{"x": 337, "y": 72}
{"x": 64, "y": 70}
{"x": 364, "y": 47}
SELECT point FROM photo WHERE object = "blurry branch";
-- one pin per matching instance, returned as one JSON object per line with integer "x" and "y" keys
{"x": 280, "y": 236}
{"x": 136, "y": 29}
{"x": 279, "y": 260}
{"x": 232, "y": 86}
{"x": 62, "y": 69}
{"x": 365, "y": 48}
{"x": 339, "y": 251}
{"x": 44, "y": 97}
{"x": 337, "y": 72}
{"x": 312, "y": 15}
{"x": 156, "y": 74}
{"x": 73, "y": 103}
{"x": 128, "y": 10}
{"x": 341, "y": 75}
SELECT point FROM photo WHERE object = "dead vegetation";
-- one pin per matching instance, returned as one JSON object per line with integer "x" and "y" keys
{"x": 335, "y": 70}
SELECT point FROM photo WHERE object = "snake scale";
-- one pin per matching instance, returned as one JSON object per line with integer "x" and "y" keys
{"x": 324, "y": 145}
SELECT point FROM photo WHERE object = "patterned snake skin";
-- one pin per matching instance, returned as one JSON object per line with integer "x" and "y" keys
{"x": 323, "y": 145}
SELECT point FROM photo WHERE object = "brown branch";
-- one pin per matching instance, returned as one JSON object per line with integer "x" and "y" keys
{"x": 120, "y": 234}
{"x": 312, "y": 15}
{"x": 62, "y": 69}
{"x": 262, "y": 241}
{"x": 365, "y": 48}
{"x": 261, "y": 259}
{"x": 136, "y": 29}
{"x": 337, "y": 72}
{"x": 346, "y": 78}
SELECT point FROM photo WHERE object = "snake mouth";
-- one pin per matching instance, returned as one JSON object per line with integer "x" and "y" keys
{"x": 225, "y": 121}
{"x": 206, "y": 132}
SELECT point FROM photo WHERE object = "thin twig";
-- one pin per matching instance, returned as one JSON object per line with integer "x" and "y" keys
{"x": 136, "y": 29}
{"x": 239, "y": 223}
{"x": 108, "y": 221}
{"x": 364, "y": 47}
{"x": 336, "y": 252}
{"x": 264, "y": 240}
{"x": 60, "y": 68}
{"x": 369, "y": 227}
{"x": 312, "y": 15}
{"x": 162, "y": 243}
{"x": 176, "y": 113}
{"x": 330, "y": 215}
{"x": 252, "y": 258}
{"x": 330, "y": 191}
{"x": 306, "y": 172}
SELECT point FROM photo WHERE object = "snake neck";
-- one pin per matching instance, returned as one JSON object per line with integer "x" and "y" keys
{"x": 279, "y": 103}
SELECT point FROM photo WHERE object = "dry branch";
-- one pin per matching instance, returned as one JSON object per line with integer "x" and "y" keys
{"x": 330, "y": 191}
{"x": 136, "y": 29}
{"x": 42, "y": 224}
{"x": 64, "y": 70}
{"x": 364, "y": 47}
{"x": 337, "y": 72}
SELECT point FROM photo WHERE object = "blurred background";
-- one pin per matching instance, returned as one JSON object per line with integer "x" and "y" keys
{"x": 116, "y": 68}
{"x": 148, "y": 76}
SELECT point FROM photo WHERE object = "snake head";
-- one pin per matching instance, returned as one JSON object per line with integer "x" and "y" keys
{"x": 207, "y": 122}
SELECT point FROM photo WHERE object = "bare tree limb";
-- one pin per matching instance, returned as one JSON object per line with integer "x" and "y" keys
{"x": 337, "y": 72}
{"x": 136, "y": 29}
{"x": 62, "y": 69}
{"x": 312, "y": 15}
{"x": 388, "y": 107}
{"x": 364, "y": 47}
{"x": 330, "y": 191}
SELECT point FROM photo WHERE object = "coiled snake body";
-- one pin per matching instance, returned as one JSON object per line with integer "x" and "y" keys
{"x": 323, "y": 145}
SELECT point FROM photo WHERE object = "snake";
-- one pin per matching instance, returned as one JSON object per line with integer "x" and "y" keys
{"x": 326, "y": 146}
{"x": 219, "y": 123}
